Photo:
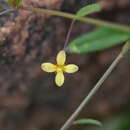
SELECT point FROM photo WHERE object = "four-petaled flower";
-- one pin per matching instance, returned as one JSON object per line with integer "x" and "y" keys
{"x": 59, "y": 68}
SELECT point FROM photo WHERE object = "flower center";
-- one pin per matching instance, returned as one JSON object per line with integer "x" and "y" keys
{"x": 60, "y": 68}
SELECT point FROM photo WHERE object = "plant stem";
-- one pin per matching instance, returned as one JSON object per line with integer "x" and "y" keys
{"x": 6, "y": 11}
{"x": 82, "y": 19}
{"x": 69, "y": 122}
{"x": 68, "y": 34}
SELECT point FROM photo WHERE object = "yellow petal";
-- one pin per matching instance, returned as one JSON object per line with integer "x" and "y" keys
{"x": 71, "y": 68}
{"x": 59, "y": 79}
{"x": 61, "y": 58}
{"x": 48, "y": 67}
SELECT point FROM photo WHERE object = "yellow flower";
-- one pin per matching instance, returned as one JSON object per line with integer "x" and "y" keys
{"x": 59, "y": 68}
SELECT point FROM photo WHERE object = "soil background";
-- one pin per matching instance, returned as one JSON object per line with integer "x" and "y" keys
{"x": 29, "y": 99}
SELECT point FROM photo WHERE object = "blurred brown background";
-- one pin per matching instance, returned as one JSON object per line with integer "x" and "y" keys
{"x": 29, "y": 99}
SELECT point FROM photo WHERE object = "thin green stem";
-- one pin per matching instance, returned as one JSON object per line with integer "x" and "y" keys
{"x": 69, "y": 122}
{"x": 87, "y": 20}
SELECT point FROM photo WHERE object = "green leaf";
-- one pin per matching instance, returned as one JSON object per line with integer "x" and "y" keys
{"x": 97, "y": 40}
{"x": 14, "y": 3}
{"x": 88, "y": 10}
{"x": 18, "y": 2}
{"x": 88, "y": 121}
